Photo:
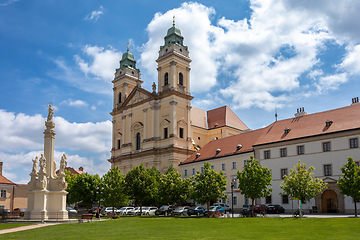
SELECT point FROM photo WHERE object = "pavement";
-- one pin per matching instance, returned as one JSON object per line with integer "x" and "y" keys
{"x": 228, "y": 215}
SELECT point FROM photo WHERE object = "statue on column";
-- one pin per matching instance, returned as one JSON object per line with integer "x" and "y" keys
{"x": 35, "y": 165}
{"x": 42, "y": 163}
{"x": 42, "y": 181}
{"x": 63, "y": 164}
{"x": 51, "y": 113}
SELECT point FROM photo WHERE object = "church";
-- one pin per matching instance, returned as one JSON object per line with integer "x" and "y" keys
{"x": 160, "y": 127}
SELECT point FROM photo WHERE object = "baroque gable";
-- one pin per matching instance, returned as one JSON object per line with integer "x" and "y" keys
{"x": 137, "y": 95}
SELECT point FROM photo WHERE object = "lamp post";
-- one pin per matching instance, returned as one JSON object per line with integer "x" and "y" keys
{"x": 99, "y": 190}
{"x": 232, "y": 197}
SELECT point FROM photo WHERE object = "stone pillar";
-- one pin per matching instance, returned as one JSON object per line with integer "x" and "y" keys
{"x": 124, "y": 91}
{"x": 173, "y": 119}
{"x": 153, "y": 121}
{"x": 123, "y": 118}
{"x": 187, "y": 84}
{"x": 160, "y": 85}
{"x": 189, "y": 133}
{"x": 173, "y": 76}
{"x": 49, "y": 137}
{"x": 145, "y": 122}
{"x": 130, "y": 116}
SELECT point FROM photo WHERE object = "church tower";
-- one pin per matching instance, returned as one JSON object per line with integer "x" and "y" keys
{"x": 153, "y": 128}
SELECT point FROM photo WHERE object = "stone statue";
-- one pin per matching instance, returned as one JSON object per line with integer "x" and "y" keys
{"x": 63, "y": 163}
{"x": 35, "y": 165}
{"x": 42, "y": 163}
{"x": 51, "y": 113}
{"x": 154, "y": 87}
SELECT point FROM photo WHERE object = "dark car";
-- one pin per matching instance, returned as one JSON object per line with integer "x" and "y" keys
{"x": 260, "y": 208}
{"x": 196, "y": 211}
{"x": 276, "y": 208}
{"x": 164, "y": 210}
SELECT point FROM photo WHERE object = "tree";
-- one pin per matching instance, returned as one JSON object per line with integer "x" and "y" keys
{"x": 254, "y": 180}
{"x": 209, "y": 186}
{"x": 113, "y": 183}
{"x": 82, "y": 188}
{"x": 172, "y": 188}
{"x": 139, "y": 184}
{"x": 301, "y": 184}
{"x": 349, "y": 182}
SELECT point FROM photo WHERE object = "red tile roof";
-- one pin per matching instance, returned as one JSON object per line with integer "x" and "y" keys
{"x": 4, "y": 180}
{"x": 228, "y": 146}
{"x": 342, "y": 119}
{"x": 72, "y": 171}
{"x": 224, "y": 116}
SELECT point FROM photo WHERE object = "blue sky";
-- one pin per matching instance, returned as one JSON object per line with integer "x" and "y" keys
{"x": 250, "y": 55}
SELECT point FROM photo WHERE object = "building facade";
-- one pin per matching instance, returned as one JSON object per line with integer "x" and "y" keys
{"x": 160, "y": 127}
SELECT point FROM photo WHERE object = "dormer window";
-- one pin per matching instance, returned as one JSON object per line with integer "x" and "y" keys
{"x": 287, "y": 130}
{"x": 218, "y": 151}
{"x": 238, "y": 147}
{"x": 198, "y": 155}
{"x": 328, "y": 123}
{"x": 166, "y": 79}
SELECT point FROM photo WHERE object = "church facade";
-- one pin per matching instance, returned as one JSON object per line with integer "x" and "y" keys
{"x": 160, "y": 127}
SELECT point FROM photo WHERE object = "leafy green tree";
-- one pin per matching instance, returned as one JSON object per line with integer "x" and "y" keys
{"x": 153, "y": 199}
{"x": 301, "y": 184}
{"x": 254, "y": 180}
{"x": 209, "y": 186}
{"x": 172, "y": 188}
{"x": 82, "y": 188}
{"x": 139, "y": 184}
{"x": 349, "y": 182}
{"x": 113, "y": 184}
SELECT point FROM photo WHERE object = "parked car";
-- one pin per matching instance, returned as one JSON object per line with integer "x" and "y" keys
{"x": 224, "y": 206}
{"x": 196, "y": 211}
{"x": 149, "y": 210}
{"x": 71, "y": 210}
{"x": 124, "y": 210}
{"x": 260, "y": 208}
{"x": 164, "y": 210}
{"x": 110, "y": 210}
{"x": 246, "y": 206}
{"x": 20, "y": 210}
{"x": 133, "y": 211}
{"x": 181, "y": 210}
{"x": 215, "y": 210}
{"x": 276, "y": 208}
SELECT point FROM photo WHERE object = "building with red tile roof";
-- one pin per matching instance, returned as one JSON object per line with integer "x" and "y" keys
{"x": 323, "y": 140}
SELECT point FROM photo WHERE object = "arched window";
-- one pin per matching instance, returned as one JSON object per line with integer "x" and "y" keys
{"x": 166, "y": 79}
{"x": 119, "y": 97}
{"x": 181, "y": 79}
{"x": 138, "y": 139}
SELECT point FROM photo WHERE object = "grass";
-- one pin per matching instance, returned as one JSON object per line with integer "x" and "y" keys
{"x": 7, "y": 225}
{"x": 199, "y": 228}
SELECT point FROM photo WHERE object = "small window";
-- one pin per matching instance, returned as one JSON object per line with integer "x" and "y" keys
{"x": 245, "y": 162}
{"x": 3, "y": 193}
{"x": 198, "y": 138}
{"x": 185, "y": 172}
{"x": 283, "y": 173}
{"x": 166, "y": 133}
{"x": 202, "y": 169}
{"x": 233, "y": 165}
{"x": 267, "y": 154}
{"x": 327, "y": 170}
{"x": 118, "y": 144}
{"x": 212, "y": 167}
{"x": 357, "y": 163}
{"x": 193, "y": 171}
{"x": 300, "y": 150}
{"x": 283, "y": 152}
{"x": 354, "y": 143}
{"x": 326, "y": 147}
{"x": 181, "y": 79}
{"x": 268, "y": 200}
{"x": 181, "y": 132}
{"x": 235, "y": 200}
{"x": 285, "y": 199}
{"x": 166, "y": 79}
{"x": 119, "y": 97}
{"x": 223, "y": 167}
{"x": 138, "y": 141}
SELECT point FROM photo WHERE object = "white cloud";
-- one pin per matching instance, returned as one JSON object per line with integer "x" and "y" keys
{"x": 95, "y": 15}
{"x": 104, "y": 62}
{"x": 75, "y": 103}
{"x": 8, "y": 3}
{"x": 351, "y": 62}
{"x": 331, "y": 82}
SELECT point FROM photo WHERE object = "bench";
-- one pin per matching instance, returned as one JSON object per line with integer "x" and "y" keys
{"x": 88, "y": 217}
{"x": 13, "y": 215}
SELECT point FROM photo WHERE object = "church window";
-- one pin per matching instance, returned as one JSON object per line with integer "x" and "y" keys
{"x": 181, "y": 79}
{"x": 3, "y": 193}
{"x": 166, "y": 79}
{"x": 166, "y": 135}
{"x": 181, "y": 132}
{"x": 118, "y": 144}
{"x": 119, "y": 97}
{"x": 138, "y": 140}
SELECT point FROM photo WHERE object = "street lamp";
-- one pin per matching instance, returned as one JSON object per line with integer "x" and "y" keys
{"x": 99, "y": 191}
{"x": 233, "y": 182}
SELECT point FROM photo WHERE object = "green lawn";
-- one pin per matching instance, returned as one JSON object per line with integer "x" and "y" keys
{"x": 7, "y": 225}
{"x": 199, "y": 228}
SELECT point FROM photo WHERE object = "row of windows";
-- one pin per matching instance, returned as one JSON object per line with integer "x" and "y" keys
{"x": 223, "y": 168}
{"x": 166, "y": 79}
{"x": 353, "y": 143}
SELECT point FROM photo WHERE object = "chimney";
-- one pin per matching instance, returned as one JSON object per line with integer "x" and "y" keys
{"x": 81, "y": 169}
{"x": 300, "y": 112}
{"x": 355, "y": 100}
{"x": 1, "y": 166}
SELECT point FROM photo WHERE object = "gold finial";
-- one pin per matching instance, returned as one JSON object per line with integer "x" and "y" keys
{"x": 127, "y": 46}
{"x": 174, "y": 21}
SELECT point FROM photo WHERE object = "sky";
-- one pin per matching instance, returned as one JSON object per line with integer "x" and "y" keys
{"x": 257, "y": 57}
